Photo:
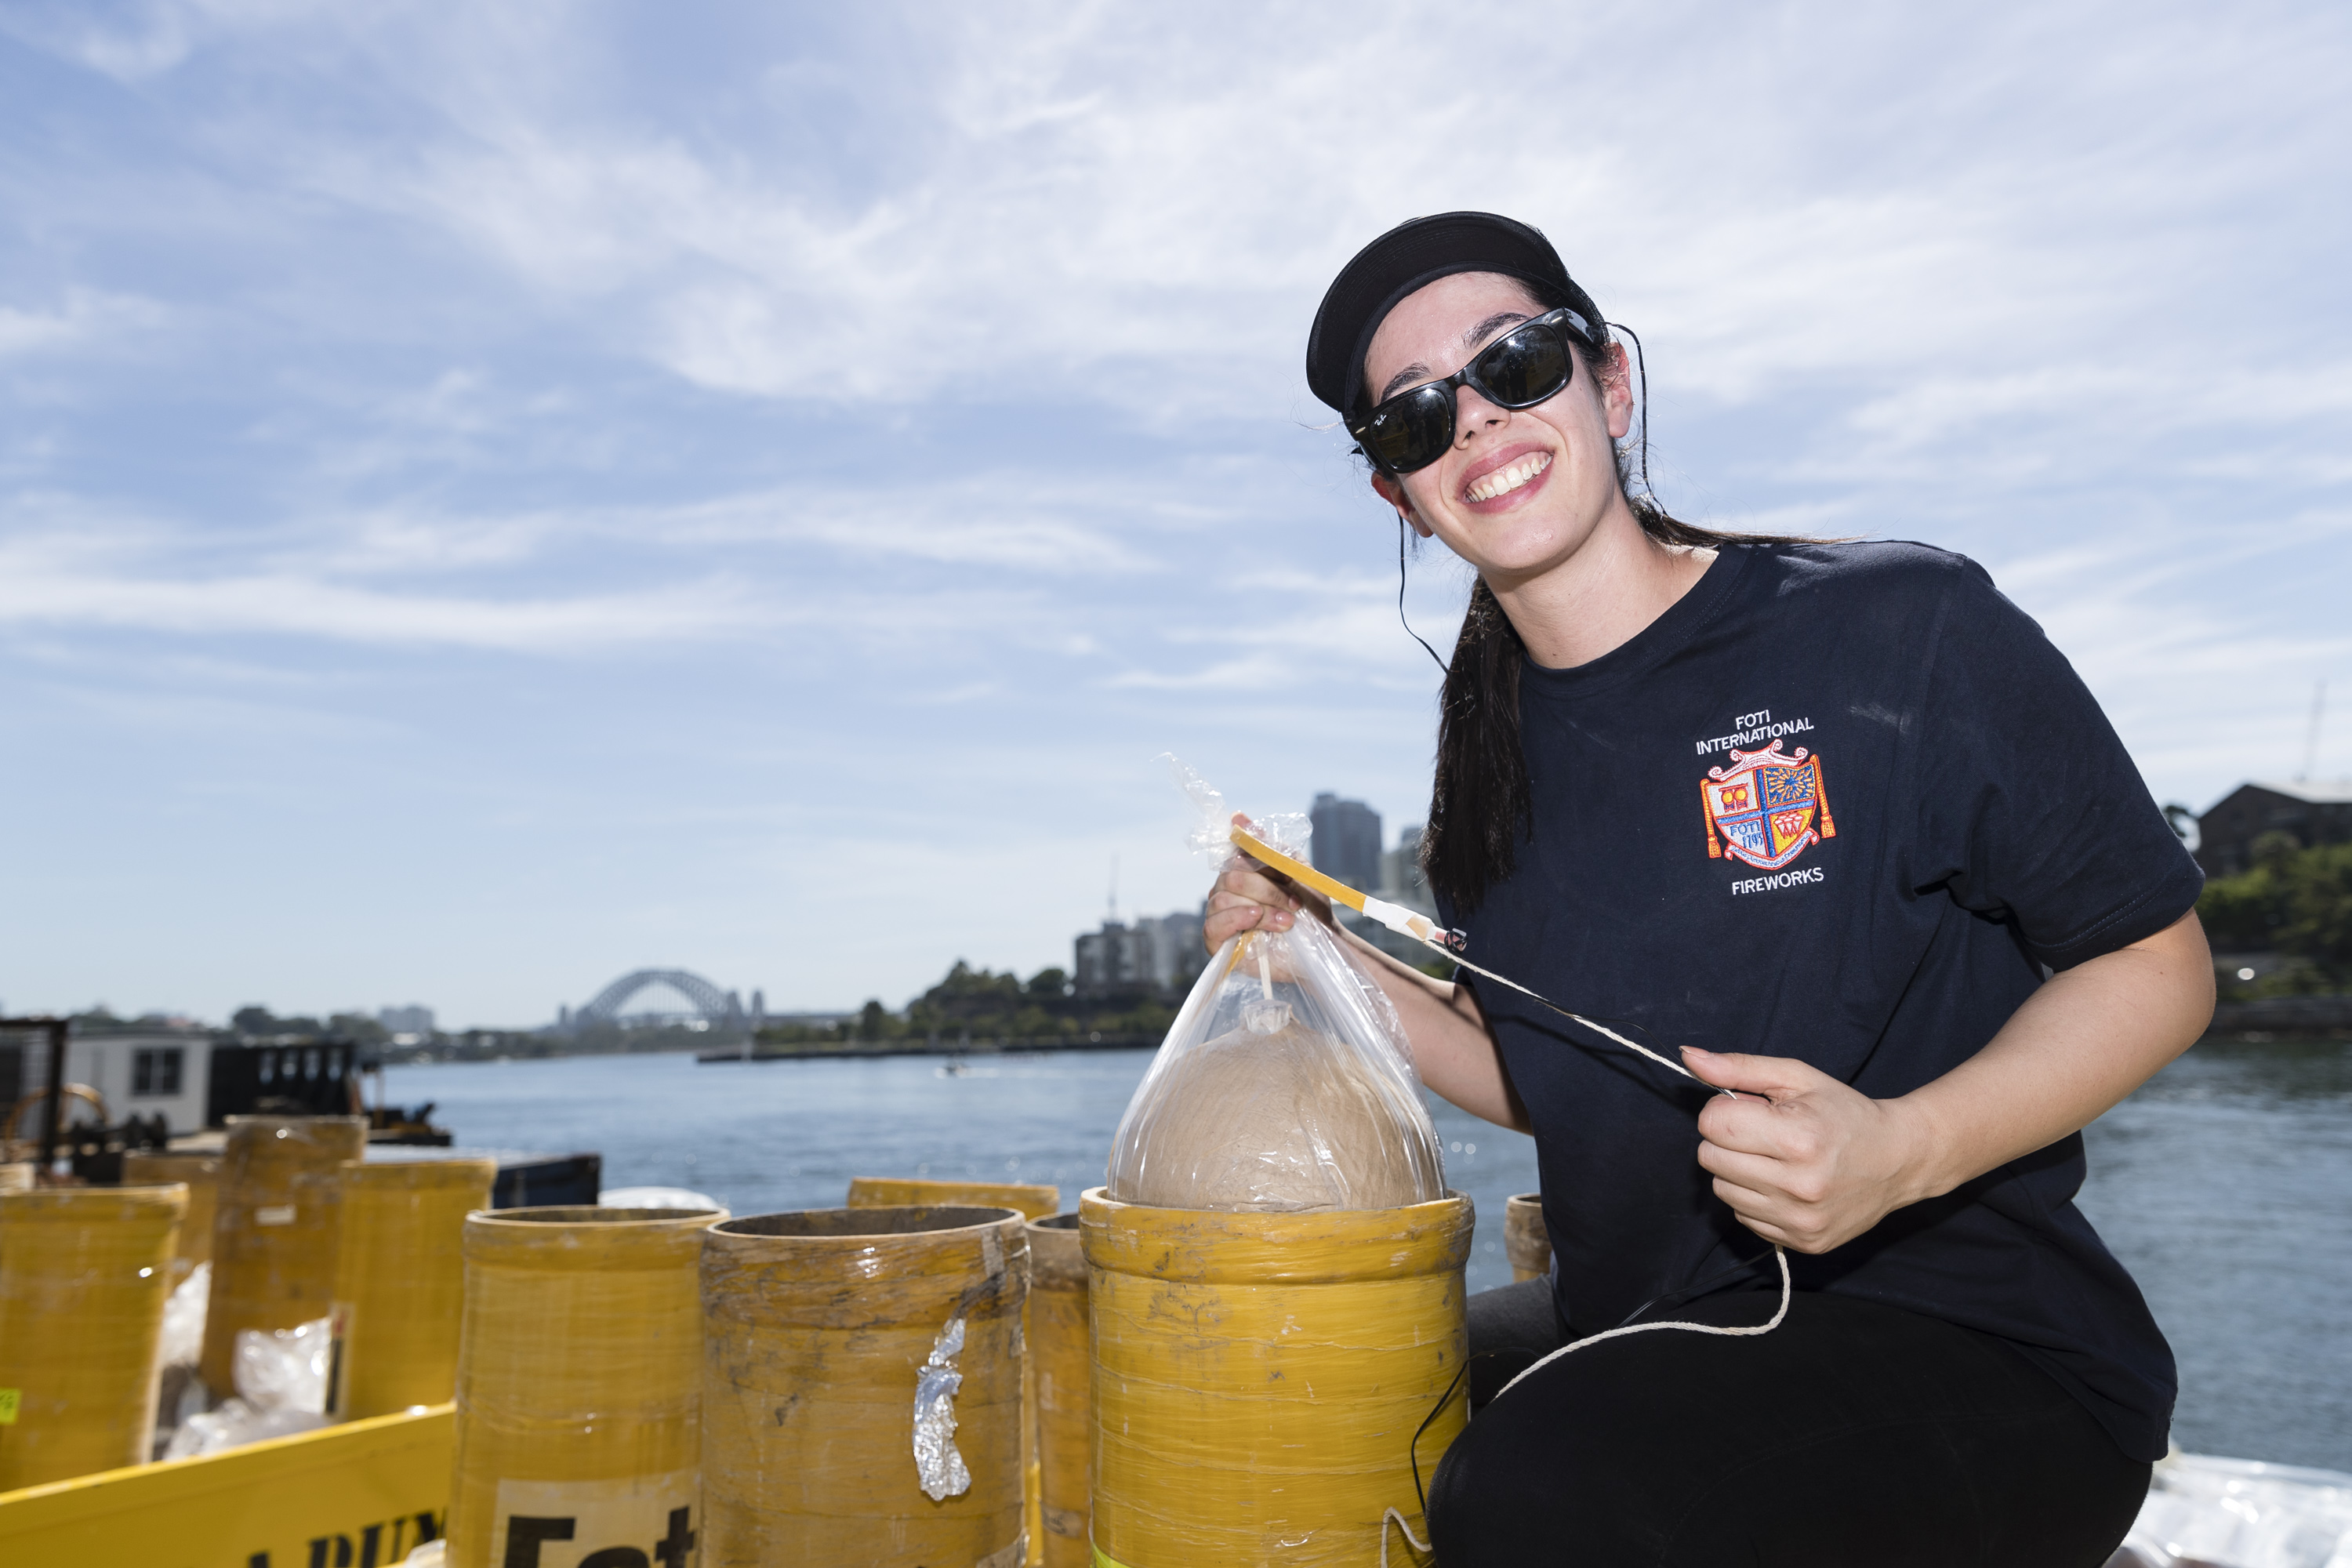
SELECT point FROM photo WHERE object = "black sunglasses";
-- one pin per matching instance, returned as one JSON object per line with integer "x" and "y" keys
{"x": 1518, "y": 370}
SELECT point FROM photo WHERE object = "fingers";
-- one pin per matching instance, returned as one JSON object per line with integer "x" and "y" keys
{"x": 1814, "y": 1163}
{"x": 1250, "y": 896}
{"x": 1785, "y": 1185}
{"x": 1777, "y": 1130}
{"x": 1245, "y": 899}
{"x": 1230, "y": 920}
{"x": 1788, "y": 1225}
{"x": 1756, "y": 1172}
{"x": 1774, "y": 1077}
{"x": 1755, "y": 1221}
{"x": 1248, "y": 879}
{"x": 1272, "y": 914}
{"x": 1219, "y": 901}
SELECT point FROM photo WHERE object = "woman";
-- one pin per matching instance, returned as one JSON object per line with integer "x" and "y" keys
{"x": 1836, "y": 823}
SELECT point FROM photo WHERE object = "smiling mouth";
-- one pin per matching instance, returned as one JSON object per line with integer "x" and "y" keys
{"x": 1503, "y": 480}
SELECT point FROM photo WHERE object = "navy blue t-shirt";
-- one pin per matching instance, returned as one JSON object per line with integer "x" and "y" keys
{"x": 1840, "y": 802}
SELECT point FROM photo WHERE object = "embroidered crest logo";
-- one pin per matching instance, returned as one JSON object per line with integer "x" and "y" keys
{"x": 1766, "y": 807}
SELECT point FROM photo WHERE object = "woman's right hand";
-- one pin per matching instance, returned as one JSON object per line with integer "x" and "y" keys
{"x": 1250, "y": 897}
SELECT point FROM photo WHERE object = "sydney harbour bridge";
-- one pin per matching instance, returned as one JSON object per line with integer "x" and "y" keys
{"x": 720, "y": 1011}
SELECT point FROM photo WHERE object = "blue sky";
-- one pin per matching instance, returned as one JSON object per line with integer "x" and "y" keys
{"x": 492, "y": 497}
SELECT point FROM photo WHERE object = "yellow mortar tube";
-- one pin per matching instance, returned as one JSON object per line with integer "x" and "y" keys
{"x": 1062, "y": 1371}
{"x": 816, "y": 1327}
{"x": 84, "y": 1274}
{"x": 1258, "y": 1379}
{"x": 579, "y": 1381}
{"x": 274, "y": 1233}
{"x": 1035, "y": 1200}
{"x": 400, "y": 1281}
{"x": 201, "y": 1174}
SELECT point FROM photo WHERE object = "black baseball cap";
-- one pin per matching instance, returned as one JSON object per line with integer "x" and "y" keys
{"x": 1412, "y": 255}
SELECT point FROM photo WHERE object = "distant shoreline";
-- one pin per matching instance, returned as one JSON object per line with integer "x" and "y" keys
{"x": 830, "y": 1050}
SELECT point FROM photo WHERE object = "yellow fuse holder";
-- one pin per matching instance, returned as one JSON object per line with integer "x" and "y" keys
{"x": 1258, "y": 1379}
{"x": 400, "y": 1283}
{"x": 84, "y": 1273}
{"x": 579, "y": 1385}
{"x": 1396, "y": 917}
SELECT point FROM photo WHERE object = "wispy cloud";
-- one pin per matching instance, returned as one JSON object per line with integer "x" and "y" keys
{"x": 730, "y": 568}
{"x": 134, "y": 44}
{"x": 1014, "y": 520}
{"x": 42, "y": 587}
{"x": 85, "y": 317}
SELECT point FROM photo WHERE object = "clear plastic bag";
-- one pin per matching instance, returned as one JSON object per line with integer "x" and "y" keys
{"x": 183, "y": 1340}
{"x": 282, "y": 1389}
{"x": 284, "y": 1368}
{"x": 1285, "y": 1085}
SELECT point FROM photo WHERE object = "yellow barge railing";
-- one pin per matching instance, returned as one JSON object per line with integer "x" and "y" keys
{"x": 359, "y": 1495}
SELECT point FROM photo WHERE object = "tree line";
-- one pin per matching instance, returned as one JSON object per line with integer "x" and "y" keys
{"x": 2295, "y": 902}
{"x": 985, "y": 1004}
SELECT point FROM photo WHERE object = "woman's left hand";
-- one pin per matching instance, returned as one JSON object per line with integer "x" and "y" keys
{"x": 1812, "y": 1164}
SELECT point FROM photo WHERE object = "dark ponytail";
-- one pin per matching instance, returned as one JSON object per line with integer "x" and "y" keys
{"x": 1481, "y": 801}
{"x": 1479, "y": 797}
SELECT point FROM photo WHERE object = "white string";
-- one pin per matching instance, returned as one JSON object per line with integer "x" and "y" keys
{"x": 1417, "y": 1543}
{"x": 1780, "y": 1253}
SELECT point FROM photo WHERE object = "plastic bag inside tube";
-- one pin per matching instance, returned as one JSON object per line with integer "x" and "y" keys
{"x": 1285, "y": 1085}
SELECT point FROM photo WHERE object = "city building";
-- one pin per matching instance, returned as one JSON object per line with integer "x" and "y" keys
{"x": 1346, "y": 842}
{"x": 1177, "y": 956}
{"x": 412, "y": 1019}
{"x": 2311, "y": 813}
{"x": 1399, "y": 882}
{"x": 1400, "y": 878}
{"x": 1103, "y": 959}
{"x": 1155, "y": 953}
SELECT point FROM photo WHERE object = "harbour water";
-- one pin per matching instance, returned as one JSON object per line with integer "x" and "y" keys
{"x": 2225, "y": 1184}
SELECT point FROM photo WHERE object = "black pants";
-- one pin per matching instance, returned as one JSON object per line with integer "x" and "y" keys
{"x": 1852, "y": 1436}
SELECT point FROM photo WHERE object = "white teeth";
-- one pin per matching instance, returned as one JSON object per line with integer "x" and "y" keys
{"x": 1503, "y": 481}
